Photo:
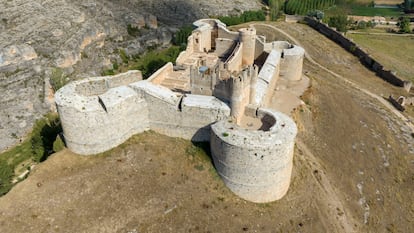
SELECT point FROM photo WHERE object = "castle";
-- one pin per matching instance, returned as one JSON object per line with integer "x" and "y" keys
{"x": 218, "y": 91}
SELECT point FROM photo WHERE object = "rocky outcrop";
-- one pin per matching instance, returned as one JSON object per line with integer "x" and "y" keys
{"x": 78, "y": 39}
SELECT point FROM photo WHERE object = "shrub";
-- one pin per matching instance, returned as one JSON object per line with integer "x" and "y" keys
{"x": 43, "y": 135}
{"x": 181, "y": 36}
{"x": 340, "y": 22}
{"x": 133, "y": 31}
{"x": 58, "y": 79}
{"x": 404, "y": 25}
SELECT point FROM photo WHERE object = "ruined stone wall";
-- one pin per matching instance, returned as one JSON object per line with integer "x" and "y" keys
{"x": 353, "y": 48}
{"x": 255, "y": 164}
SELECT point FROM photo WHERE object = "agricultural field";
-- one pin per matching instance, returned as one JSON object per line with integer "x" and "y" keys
{"x": 389, "y": 50}
{"x": 302, "y": 7}
{"x": 334, "y": 7}
{"x": 373, "y": 11}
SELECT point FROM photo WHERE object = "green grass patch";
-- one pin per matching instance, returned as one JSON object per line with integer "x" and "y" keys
{"x": 394, "y": 52}
{"x": 372, "y": 11}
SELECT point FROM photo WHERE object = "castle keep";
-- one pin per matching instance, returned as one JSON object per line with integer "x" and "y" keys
{"x": 218, "y": 91}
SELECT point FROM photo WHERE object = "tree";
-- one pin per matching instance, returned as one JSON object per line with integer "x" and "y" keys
{"x": 316, "y": 14}
{"x": 275, "y": 6}
{"x": 408, "y": 4}
{"x": 340, "y": 22}
{"x": 404, "y": 24}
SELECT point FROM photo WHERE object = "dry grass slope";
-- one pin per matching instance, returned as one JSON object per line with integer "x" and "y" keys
{"x": 353, "y": 171}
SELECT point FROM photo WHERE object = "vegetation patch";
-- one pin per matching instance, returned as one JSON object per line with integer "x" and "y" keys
{"x": 36, "y": 148}
{"x": 373, "y": 11}
{"x": 246, "y": 16}
{"x": 58, "y": 79}
{"x": 303, "y": 7}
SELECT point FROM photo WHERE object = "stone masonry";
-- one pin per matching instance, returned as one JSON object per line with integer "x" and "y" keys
{"x": 218, "y": 91}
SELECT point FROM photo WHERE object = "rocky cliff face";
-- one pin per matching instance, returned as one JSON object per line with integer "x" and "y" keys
{"x": 40, "y": 39}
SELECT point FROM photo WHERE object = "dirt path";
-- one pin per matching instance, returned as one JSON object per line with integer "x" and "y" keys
{"x": 381, "y": 99}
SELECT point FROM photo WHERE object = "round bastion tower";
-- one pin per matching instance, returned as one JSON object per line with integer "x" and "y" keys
{"x": 248, "y": 38}
{"x": 256, "y": 164}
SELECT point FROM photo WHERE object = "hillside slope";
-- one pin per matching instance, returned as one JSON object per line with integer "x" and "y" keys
{"x": 353, "y": 169}
{"x": 42, "y": 40}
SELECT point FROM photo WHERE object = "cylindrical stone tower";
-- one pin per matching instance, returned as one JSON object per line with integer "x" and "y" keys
{"x": 255, "y": 164}
{"x": 248, "y": 38}
{"x": 292, "y": 63}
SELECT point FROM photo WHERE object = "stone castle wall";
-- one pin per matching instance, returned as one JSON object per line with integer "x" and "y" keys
{"x": 100, "y": 113}
{"x": 95, "y": 122}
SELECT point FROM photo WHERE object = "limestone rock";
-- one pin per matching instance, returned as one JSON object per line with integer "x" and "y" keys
{"x": 80, "y": 39}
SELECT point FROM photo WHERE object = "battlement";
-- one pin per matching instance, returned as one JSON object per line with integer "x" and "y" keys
{"x": 219, "y": 91}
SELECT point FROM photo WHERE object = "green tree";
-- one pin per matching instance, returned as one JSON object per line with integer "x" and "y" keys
{"x": 180, "y": 37}
{"x": 404, "y": 24}
{"x": 340, "y": 22}
{"x": 275, "y": 6}
{"x": 408, "y": 4}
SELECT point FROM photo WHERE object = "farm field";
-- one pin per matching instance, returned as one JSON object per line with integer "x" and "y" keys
{"x": 394, "y": 51}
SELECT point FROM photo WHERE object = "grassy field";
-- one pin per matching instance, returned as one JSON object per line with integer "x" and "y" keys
{"x": 395, "y": 52}
{"x": 364, "y": 8}
{"x": 371, "y": 11}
